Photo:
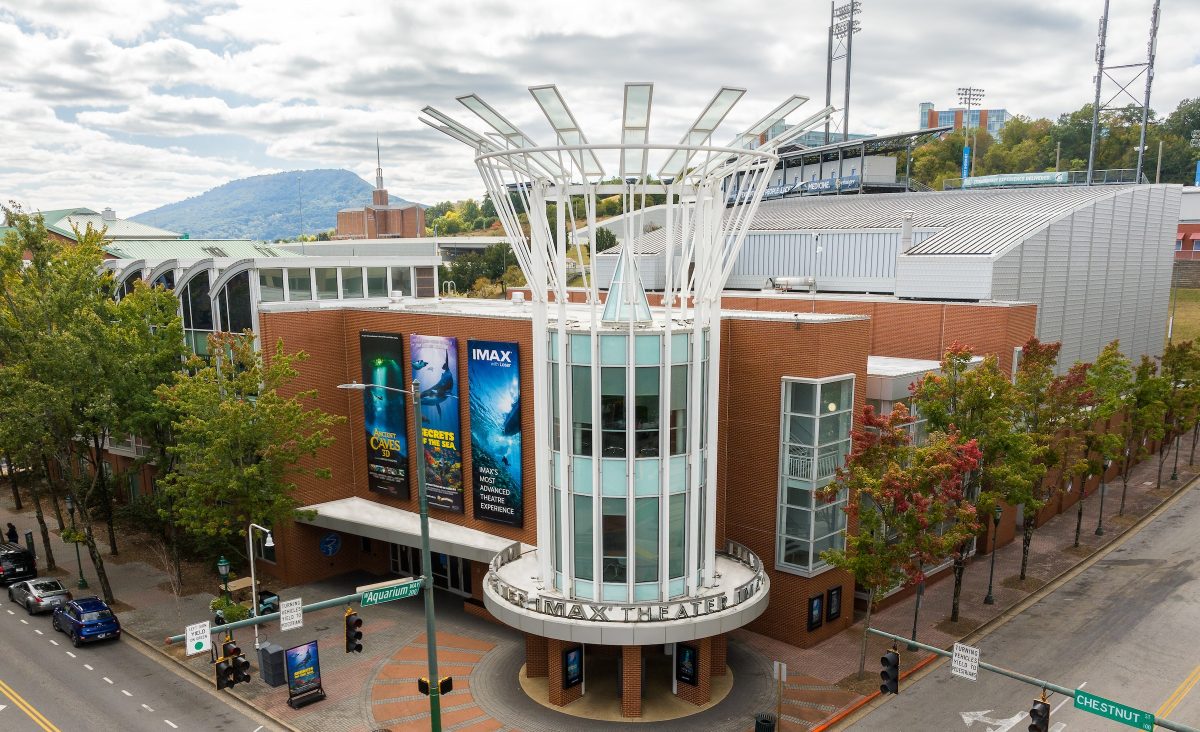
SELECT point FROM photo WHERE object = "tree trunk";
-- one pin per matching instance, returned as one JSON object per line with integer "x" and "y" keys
{"x": 52, "y": 490}
{"x": 1079, "y": 513}
{"x": 105, "y": 496}
{"x": 960, "y": 566}
{"x": 176, "y": 562}
{"x": 1195, "y": 435}
{"x": 41, "y": 519}
{"x": 1162, "y": 459}
{"x": 1124, "y": 488}
{"x": 12, "y": 482}
{"x": 97, "y": 559}
{"x": 862, "y": 652}
{"x": 1026, "y": 540}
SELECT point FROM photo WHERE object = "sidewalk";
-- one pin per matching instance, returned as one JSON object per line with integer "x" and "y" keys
{"x": 813, "y": 698}
{"x": 376, "y": 690}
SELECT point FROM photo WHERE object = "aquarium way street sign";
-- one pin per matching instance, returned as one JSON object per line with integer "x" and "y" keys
{"x": 388, "y": 591}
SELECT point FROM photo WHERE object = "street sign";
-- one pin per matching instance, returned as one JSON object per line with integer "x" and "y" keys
{"x": 199, "y": 639}
{"x": 966, "y": 161}
{"x": 965, "y": 662}
{"x": 388, "y": 591}
{"x": 1115, "y": 711}
{"x": 291, "y": 616}
{"x": 779, "y": 671}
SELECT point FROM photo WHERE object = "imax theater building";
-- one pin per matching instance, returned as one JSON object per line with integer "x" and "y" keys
{"x": 627, "y": 466}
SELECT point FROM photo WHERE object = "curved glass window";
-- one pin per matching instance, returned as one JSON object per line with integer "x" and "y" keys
{"x": 612, "y": 411}
{"x": 197, "y": 313}
{"x": 234, "y": 302}
{"x": 645, "y": 410}
{"x": 616, "y": 550}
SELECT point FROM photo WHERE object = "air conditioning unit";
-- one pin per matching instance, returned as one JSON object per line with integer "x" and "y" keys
{"x": 518, "y": 296}
{"x": 790, "y": 284}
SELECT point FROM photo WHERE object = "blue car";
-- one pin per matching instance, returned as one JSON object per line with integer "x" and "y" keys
{"x": 85, "y": 620}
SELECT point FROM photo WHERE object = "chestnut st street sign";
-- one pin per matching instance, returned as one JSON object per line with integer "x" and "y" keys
{"x": 1112, "y": 710}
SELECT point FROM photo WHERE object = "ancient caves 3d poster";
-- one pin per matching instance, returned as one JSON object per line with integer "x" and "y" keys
{"x": 435, "y": 368}
{"x": 494, "y": 381}
{"x": 383, "y": 413}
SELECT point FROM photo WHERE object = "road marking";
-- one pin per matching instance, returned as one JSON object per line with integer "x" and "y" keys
{"x": 173, "y": 725}
{"x": 35, "y": 630}
{"x": 256, "y": 729}
{"x": 993, "y": 725}
{"x": 54, "y": 641}
{"x": 148, "y": 709}
{"x": 89, "y": 668}
{"x": 23, "y": 620}
{"x": 72, "y": 655}
{"x": 107, "y": 679}
{"x": 1180, "y": 692}
{"x": 10, "y": 612}
{"x": 28, "y": 708}
{"x": 126, "y": 693}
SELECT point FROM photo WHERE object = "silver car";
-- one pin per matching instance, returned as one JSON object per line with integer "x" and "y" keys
{"x": 38, "y": 595}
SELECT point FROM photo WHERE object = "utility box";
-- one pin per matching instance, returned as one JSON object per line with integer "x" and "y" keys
{"x": 270, "y": 664}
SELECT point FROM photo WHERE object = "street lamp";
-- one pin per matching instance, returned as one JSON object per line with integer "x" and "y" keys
{"x": 223, "y": 570}
{"x": 996, "y": 514}
{"x": 1100, "y": 522}
{"x": 270, "y": 542}
{"x": 82, "y": 584}
{"x": 435, "y": 703}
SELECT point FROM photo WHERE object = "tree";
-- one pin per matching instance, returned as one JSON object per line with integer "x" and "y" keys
{"x": 1036, "y": 417}
{"x": 980, "y": 404}
{"x": 1109, "y": 382}
{"x": 605, "y": 239}
{"x": 905, "y": 504}
{"x": 1178, "y": 366}
{"x": 239, "y": 441}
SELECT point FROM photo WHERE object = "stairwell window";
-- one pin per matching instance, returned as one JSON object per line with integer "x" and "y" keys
{"x": 814, "y": 441}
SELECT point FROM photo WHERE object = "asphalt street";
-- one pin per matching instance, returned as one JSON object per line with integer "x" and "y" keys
{"x": 1125, "y": 629}
{"x": 46, "y": 685}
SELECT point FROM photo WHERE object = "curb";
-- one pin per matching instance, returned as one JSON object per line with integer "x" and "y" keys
{"x": 245, "y": 704}
{"x": 931, "y": 662}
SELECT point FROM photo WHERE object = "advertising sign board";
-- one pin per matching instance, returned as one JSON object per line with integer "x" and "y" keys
{"x": 572, "y": 667}
{"x": 435, "y": 368}
{"x": 494, "y": 380}
{"x": 303, "y": 669}
{"x": 384, "y": 422}
{"x": 686, "y": 660}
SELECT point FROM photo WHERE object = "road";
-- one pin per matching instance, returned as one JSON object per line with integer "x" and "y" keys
{"x": 1125, "y": 629}
{"x": 46, "y": 685}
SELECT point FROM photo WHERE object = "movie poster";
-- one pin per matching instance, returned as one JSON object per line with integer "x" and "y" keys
{"x": 572, "y": 667}
{"x": 303, "y": 668}
{"x": 686, "y": 660}
{"x": 435, "y": 368}
{"x": 383, "y": 413}
{"x": 495, "y": 385}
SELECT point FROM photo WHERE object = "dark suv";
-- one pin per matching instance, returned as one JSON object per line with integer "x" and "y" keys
{"x": 16, "y": 563}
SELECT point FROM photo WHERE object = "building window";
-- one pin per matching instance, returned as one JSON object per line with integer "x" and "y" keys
{"x": 616, "y": 550}
{"x": 1179, "y": 245}
{"x": 402, "y": 280}
{"x": 352, "y": 283}
{"x": 327, "y": 283}
{"x": 815, "y": 438}
{"x": 135, "y": 485}
{"x": 377, "y": 282}
{"x": 270, "y": 285}
{"x": 299, "y": 284}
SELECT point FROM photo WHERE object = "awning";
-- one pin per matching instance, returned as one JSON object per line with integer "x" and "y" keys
{"x": 373, "y": 520}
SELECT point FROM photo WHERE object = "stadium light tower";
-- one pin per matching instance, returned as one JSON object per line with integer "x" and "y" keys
{"x": 843, "y": 25}
{"x": 970, "y": 96}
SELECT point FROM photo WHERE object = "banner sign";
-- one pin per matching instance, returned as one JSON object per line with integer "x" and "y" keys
{"x": 303, "y": 669}
{"x": 778, "y": 190}
{"x": 383, "y": 414}
{"x": 494, "y": 376}
{"x": 435, "y": 368}
{"x": 835, "y": 184}
{"x": 686, "y": 661}
{"x": 1017, "y": 179}
{"x": 966, "y": 161}
{"x": 572, "y": 667}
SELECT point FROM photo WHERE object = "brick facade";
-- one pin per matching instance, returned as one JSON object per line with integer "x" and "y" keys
{"x": 631, "y": 681}
{"x": 536, "y": 660}
{"x": 554, "y": 667}
{"x": 380, "y": 221}
{"x": 702, "y": 691}
{"x": 720, "y": 649}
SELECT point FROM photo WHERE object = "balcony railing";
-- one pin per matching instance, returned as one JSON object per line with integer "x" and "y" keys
{"x": 800, "y": 464}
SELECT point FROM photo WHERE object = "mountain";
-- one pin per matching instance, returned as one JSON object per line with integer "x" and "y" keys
{"x": 265, "y": 206}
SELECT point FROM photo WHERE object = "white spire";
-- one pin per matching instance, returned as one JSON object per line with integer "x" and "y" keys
{"x": 378, "y": 166}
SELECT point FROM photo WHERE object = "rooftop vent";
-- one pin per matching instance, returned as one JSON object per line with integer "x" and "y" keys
{"x": 518, "y": 296}
{"x": 108, "y": 214}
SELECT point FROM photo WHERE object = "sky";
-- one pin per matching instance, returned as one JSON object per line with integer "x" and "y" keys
{"x": 137, "y": 103}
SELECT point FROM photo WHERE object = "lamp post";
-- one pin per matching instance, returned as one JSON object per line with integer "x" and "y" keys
{"x": 1100, "y": 521}
{"x": 270, "y": 542}
{"x": 223, "y": 570}
{"x": 996, "y": 514}
{"x": 82, "y": 583}
{"x": 435, "y": 702}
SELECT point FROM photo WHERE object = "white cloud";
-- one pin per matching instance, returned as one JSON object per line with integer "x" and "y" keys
{"x": 143, "y": 87}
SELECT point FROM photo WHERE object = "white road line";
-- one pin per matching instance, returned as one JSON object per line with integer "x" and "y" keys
{"x": 10, "y": 612}
{"x": 1065, "y": 700}
{"x": 148, "y": 709}
{"x": 89, "y": 668}
{"x": 107, "y": 679}
{"x": 23, "y": 620}
{"x": 35, "y": 630}
{"x": 172, "y": 724}
{"x": 54, "y": 641}
{"x": 126, "y": 693}
{"x": 256, "y": 729}
{"x": 72, "y": 655}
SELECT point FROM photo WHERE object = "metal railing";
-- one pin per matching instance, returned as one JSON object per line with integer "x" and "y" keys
{"x": 1114, "y": 176}
{"x": 800, "y": 464}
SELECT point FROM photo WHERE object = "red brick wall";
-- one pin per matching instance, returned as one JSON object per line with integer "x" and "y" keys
{"x": 536, "y": 666}
{"x": 554, "y": 669}
{"x": 702, "y": 691}
{"x": 631, "y": 681}
{"x": 720, "y": 648}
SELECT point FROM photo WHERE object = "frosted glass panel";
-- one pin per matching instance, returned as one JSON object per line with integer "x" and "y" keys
{"x": 581, "y": 469}
{"x": 612, "y": 350}
{"x": 646, "y": 350}
{"x": 612, "y": 477}
{"x": 645, "y": 476}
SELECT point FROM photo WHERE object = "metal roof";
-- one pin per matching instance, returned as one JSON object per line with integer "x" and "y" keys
{"x": 116, "y": 228}
{"x": 192, "y": 249}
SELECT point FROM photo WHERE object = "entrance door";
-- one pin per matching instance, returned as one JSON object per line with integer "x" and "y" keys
{"x": 449, "y": 572}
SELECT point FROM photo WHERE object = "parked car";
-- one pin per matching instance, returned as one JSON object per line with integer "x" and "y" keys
{"x": 16, "y": 563}
{"x": 85, "y": 620}
{"x": 38, "y": 595}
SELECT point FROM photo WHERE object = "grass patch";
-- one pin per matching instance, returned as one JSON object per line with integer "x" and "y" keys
{"x": 1186, "y": 325}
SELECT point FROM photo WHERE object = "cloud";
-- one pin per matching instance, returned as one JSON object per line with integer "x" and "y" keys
{"x": 153, "y": 93}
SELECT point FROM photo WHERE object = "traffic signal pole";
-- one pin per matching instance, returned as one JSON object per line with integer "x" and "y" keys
{"x": 1039, "y": 683}
{"x": 435, "y": 699}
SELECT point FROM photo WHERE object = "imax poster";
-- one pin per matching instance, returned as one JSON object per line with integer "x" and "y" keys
{"x": 435, "y": 368}
{"x": 383, "y": 413}
{"x": 495, "y": 385}
{"x": 303, "y": 668}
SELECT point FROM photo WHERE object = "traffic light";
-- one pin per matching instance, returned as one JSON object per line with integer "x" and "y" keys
{"x": 353, "y": 632}
{"x": 445, "y": 686}
{"x": 890, "y": 673}
{"x": 1040, "y": 714}
{"x": 226, "y": 667}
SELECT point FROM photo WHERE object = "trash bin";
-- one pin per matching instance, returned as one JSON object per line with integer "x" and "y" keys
{"x": 764, "y": 723}
{"x": 270, "y": 664}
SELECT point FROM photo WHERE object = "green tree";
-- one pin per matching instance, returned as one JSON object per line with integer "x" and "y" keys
{"x": 1036, "y": 417}
{"x": 980, "y": 403}
{"x": 1178, "y": 366}
{"x": 240, "y": 441}
{"x": 1142, "y": 420}
{"x": 1110, "y": 383}
{"x": 605, "y": 239}
{"x": 905, "y": 507}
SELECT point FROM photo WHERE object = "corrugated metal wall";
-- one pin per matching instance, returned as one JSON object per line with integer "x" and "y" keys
{"x": 849, "y": 261}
